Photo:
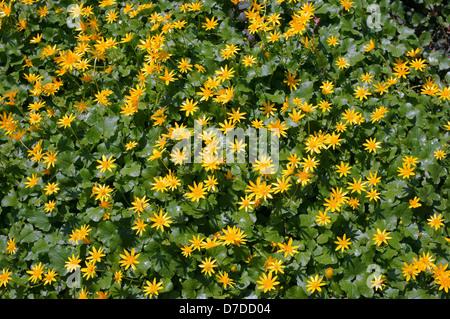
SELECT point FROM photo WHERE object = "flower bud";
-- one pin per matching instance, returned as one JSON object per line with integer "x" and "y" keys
{"x": 329, "y": 272}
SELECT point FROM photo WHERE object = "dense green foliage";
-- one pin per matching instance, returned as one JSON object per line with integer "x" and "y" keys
{"x": 89, "y": 86}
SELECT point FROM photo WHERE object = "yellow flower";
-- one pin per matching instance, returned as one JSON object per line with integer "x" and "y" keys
{"x": 96, "y": 255}
{"x": 381, "y": 237}
{"x": 259, "y": 190}
{"x": 224, "y": 279}
{"x": 414, "y": 203}
{"x": 128, "y": 37}
{"x": 287, "y": 248}
{"x": 139, "y": 225}
{"x": 189, "y": 106}
{"x": 102, "y": 192}
{"x": 160, "y": 221}
{"x": 444, "y": 94}
{"x": 233, "y": 235}
{"x": 50, "y": 159}
{"x": 118, "y": 276}
{"x": 208, "y": 266}
{"x": 195, "y": 6}
{"x": 314, "y": 283}
{"x": 412, "y": 53}
{"x": 418, "y": 64}
{"x": 409, "y": 271}
{"x": 356, "y": 186}
{"x": 373, "y": 179}
{"x": 367, "y": 77}
{"x": 32, "y": 181}
{"x": 210, "y": 243}
{"x": 130, "y": 145}
{"x": 322, "y": 219}
{"x": 5, "y": 276}
{"x": 73, "y": 263}
{"x": 36, "y": 272}
{"x": 210, "y": 24}
{"x": 378, "y": 114}
{"x": 440, "y": 154}
{"x": 373, "y": 194}
{"x": 246, "y": 203}
{"x": 346, "y": 4}
{"x": 371, "y": 145}
{"x": 184, "y": 65}
{"x": 369, "y": 46}
{"x": 197, "y": 192}
{"x": 139, "y": 204}
{"x": 333, "y": 41}
{"x": 425, "y": 262}
{"x": 309, "y": 164}
{"x": 11, "y": 246}
{"x": 129, "y": 259}
{"x": 196, "y": 242}
{"x": 83, "y": 294}
{"x": 89, "y": 270}
{"x": 353, "y": 202}
{"x": 51, "y": 188}
{"x": 152, "y": 288}
{"x": 291, "y": 80}
{"x": 342, "y": 63}
{"x": 436, "y": 221}
{"x": 49, "y": 276}
{"x": 443, "y": 282}
{"x": 406, "y": 170}
{"x": 343, "y": 243}
{"x": 105, "y": 164}
{"x": 343, "y": 169}
{"x": 111, "y": 16}
{"x": 248, "y": 60}
{"x": 377, "y": 282}
{"x": 276, "y": 266}
{"x": 224, "y": 74}
{"x": 36, "y": 39}
{"x": 282, "y": 185}
{"x": 381, "y": 87}
{"x": 327, "y": 87}
{"x": 361, "y": 92}
{"x": 168, "y": 76}
{"x": 267, "y": 283}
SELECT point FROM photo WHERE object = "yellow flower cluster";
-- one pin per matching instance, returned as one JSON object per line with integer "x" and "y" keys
{"x": 71, "y": 88}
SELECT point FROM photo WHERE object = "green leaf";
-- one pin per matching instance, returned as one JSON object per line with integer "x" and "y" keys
{"x": 58, "y": 256}
{"x": 324, "y": 237}
{"x": 189, "y": 288}
{"x": 132, "y": 170}
{"x": 95, "y": 213}
{"x": 350, "y": 289}
{"x": 110, "y": 126}
{"x": 10, "y": 200}
{"x": 28, "y": 234}
{"x": 405, "y": 33}
{"x": 39, "y": 220}
{"x": 40, "y": 246}
{"x": 296, "y": 292}
{"x": 436, "y": 171}
{"x": 108, "y": 234}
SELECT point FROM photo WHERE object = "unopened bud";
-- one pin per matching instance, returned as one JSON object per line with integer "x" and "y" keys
{"x": 329, "y": 273}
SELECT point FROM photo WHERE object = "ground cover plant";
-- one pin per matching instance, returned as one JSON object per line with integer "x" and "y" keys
{"x": 101, "y": 196}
